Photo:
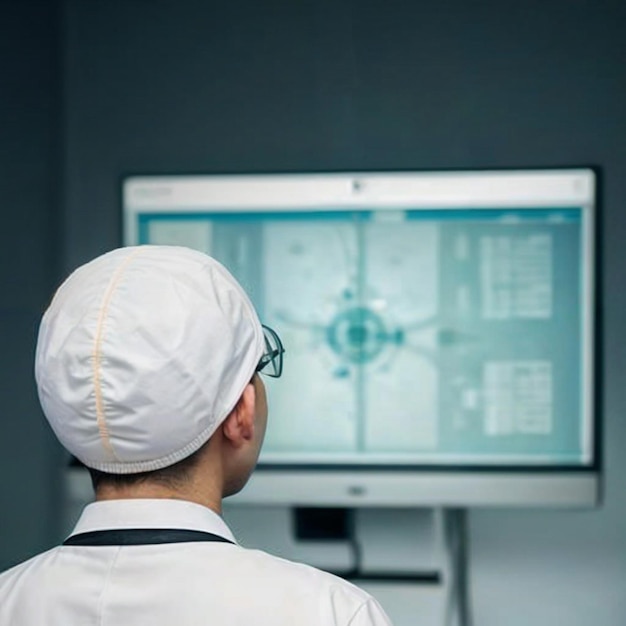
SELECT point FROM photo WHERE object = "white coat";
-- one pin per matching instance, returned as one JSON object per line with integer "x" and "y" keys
{"x": 174, "y": 584}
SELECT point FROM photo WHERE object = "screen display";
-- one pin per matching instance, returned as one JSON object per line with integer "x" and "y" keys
{"x": 415, "y": 333}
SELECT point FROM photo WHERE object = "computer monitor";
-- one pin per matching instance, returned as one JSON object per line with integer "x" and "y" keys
{"x": 440, "y": 327}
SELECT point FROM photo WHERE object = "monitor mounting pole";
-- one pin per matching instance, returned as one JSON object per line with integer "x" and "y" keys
{"x": 457, "y": 608}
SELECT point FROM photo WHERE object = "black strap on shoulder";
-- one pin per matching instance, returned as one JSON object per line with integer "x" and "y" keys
{"x": 141, "y": 537}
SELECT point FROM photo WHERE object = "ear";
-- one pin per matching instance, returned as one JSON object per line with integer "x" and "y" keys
{"x": 238, "y": 427}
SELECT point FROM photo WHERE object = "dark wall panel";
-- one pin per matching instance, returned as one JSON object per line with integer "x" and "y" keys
{"x": 29, "y": 167}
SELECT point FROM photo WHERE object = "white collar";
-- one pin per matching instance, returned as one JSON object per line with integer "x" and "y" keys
{"x": 151, "y": 513}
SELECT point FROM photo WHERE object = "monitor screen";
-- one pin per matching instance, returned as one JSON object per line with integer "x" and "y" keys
{"x": 435, "y": 323}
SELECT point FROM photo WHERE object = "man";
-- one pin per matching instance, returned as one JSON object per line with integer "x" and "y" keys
{"x": 147, "y": 369}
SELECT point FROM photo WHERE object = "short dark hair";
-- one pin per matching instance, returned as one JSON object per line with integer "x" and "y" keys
{"x": 171, "y": 476}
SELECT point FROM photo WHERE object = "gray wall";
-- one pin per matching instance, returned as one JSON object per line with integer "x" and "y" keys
{"x": 194, "y": 86}
{"x": 29, "y": 240}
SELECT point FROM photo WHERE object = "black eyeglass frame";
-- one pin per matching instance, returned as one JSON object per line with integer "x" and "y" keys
{"x": 274, "y": 351}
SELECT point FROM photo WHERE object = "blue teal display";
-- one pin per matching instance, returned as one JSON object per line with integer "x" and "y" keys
{"x": 413, "y": 336}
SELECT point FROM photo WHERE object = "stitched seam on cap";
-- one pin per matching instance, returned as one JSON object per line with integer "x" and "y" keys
{"x": 103, "y": 428}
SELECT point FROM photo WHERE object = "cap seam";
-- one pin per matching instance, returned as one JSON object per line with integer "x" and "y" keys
{"x": 101, "y": 421}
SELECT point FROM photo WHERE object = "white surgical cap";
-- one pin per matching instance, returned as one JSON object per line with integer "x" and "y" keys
{"x": 142, "y": 354}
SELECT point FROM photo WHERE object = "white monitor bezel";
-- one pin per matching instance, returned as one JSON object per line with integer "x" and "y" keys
{"x": 473, "y": 485}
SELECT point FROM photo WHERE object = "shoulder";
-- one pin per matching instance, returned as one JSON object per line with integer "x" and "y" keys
{"x": 297, "y": 573}
{"x": 15, "y": 578}
{"x": 332, "y": 599}
{"x": 17, "y": 571}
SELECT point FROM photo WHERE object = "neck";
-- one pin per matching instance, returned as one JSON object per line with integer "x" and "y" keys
{"x": 203, "y": 484}
{"x": 199, "y": 494}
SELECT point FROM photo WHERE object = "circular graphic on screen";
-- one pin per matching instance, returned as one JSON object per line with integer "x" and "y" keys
{"x": 357, "y": 334}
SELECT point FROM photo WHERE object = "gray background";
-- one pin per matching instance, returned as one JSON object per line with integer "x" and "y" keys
{"x": 91, "y": 90}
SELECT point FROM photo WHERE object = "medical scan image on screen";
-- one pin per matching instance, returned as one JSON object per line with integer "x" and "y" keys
{"x": 412, "y": 336}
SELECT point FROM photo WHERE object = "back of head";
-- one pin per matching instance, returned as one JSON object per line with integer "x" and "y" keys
{"x": 142, "y": 354}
